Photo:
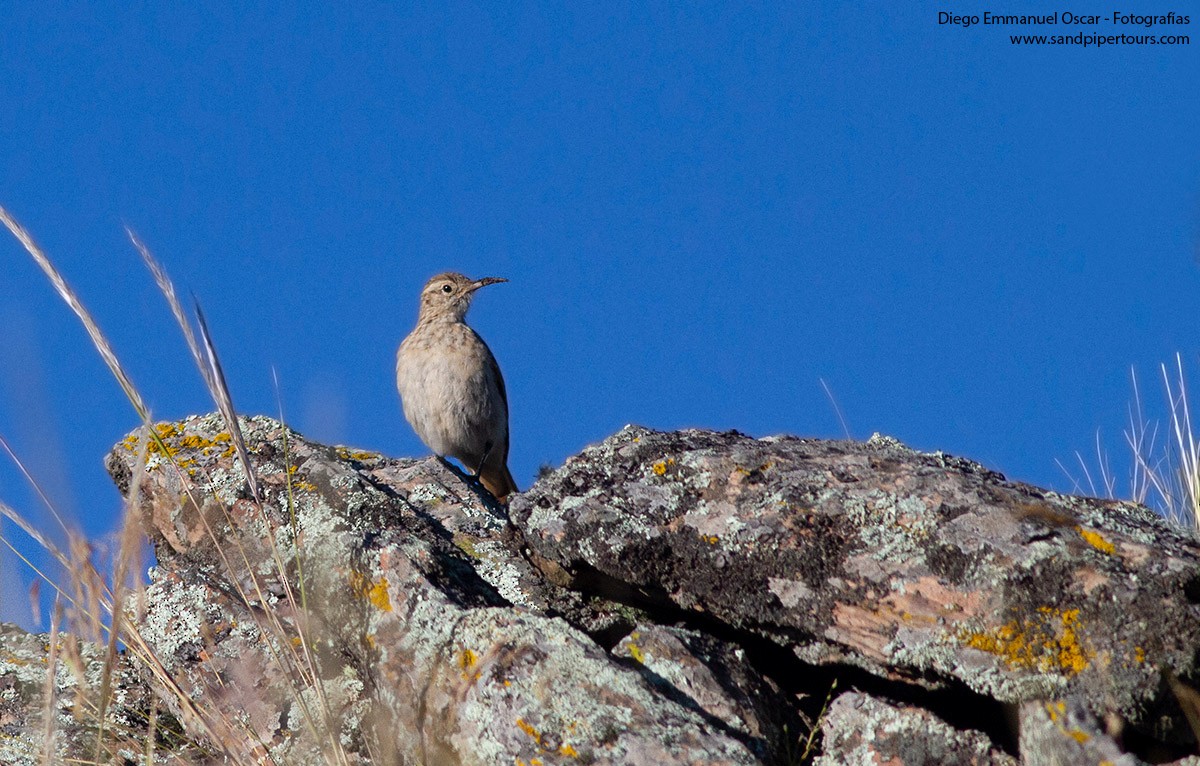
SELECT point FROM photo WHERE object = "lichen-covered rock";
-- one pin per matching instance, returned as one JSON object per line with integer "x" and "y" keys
{"x": 375, "y": 612}
{"x": 1065, "y": 733}
{"x": 716, "y": 679}
{"x": 661, "y": 599}
{"x": 918, "y": 568}
{"x": 74, "y": 682}
{"x": 860, "y": 730}
{"x": 516, "y": 686}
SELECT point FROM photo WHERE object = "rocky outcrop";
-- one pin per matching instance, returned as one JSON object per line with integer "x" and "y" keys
{"x": 688, "y": 597}
{"x": 922, "y": 570}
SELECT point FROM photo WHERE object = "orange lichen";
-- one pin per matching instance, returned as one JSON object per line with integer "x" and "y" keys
{"x": 1046, "y": 641}
{"x": 1096, "y": 540}
{"x": 375, "y": 592}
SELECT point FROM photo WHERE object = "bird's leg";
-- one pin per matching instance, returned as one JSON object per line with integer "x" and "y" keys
{"x": 469, "y": 477}
{"x": 487, "y": 450}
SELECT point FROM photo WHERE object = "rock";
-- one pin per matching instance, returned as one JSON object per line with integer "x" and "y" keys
{"x": 73, "y": 685}
{"x": 663, "y": 598}
{"x": 922, "y": 569}
{"x": 860, "y": 730}
{"x": 716, "y": 679}
{"x": 1065, "y": 733}
{"x": 378, "y": 608}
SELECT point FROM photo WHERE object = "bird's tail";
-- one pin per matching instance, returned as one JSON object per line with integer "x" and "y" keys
{"x": 498, "y": 481}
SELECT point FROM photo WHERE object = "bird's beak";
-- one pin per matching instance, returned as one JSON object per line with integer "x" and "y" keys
{"x": 478, "y": 283}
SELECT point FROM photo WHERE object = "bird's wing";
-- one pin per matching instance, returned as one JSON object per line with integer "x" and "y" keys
{"x": 503, "y": 398}
{"x": 491, "y": 360}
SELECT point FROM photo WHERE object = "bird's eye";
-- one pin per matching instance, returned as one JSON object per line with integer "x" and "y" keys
{"x": 447, "y": 289}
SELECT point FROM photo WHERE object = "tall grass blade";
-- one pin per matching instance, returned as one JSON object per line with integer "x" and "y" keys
{"x": 167, "y": 288}
{"x": 220, "y": 392}
{"x": 37, "y": 487}
{"x": 93, "y": 330}
{"x": 836, "y": 409}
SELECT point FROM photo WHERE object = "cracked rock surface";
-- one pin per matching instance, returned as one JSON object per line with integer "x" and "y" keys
{"x": 688, "y": 597}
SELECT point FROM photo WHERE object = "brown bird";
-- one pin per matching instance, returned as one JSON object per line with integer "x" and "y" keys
{"x": 451, "y": 387}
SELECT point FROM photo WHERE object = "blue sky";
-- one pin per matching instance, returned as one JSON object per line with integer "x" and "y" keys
{"x": 703, "y": 209}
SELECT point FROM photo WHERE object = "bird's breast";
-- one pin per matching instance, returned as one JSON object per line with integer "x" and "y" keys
{"x": 444, "y": 375}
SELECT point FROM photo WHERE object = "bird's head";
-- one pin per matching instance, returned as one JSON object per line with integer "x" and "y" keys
{"x": 448, "y": 296}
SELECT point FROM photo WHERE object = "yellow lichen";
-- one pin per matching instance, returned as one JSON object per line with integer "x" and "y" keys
{"x": 1096, "y": 540}
{"x": 360, "y": 455}
{"x": 661, "y": 466}
{"x": 710, "y": 539}
{"x": 1058, "y": 709}
{"x": 466, "y": 661}
{"x": 466, "y": 545}
{"x": 167, "y": 445}
{"x": 533, "y": 733}
{"x": 375, "y": 592}
{"x": 565, "y": 749}
{"x": 1046, "y": 641}
{"x": 744, "y": 471}
{"x": 635, "y": 651}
